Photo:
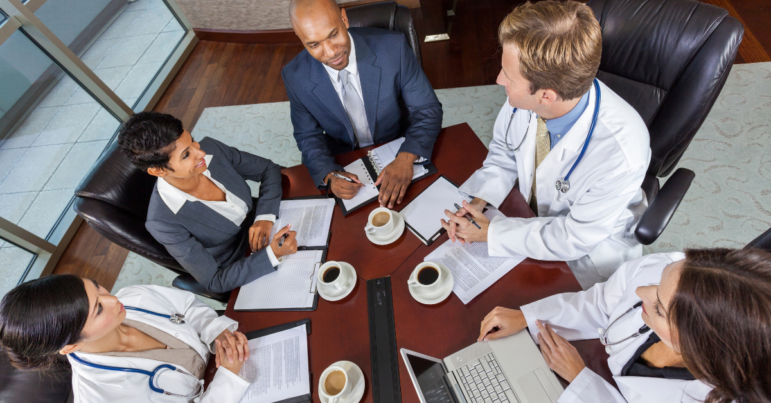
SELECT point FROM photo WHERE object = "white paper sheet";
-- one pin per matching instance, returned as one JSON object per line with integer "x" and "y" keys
{"x": 366, "y": 192}
{"x": 472, "y": 268}
{"x": 425, "y": 212}
{"x": 277, "y": 367}
{"x": 311, "y": 219}
{"x": 387, "y": 153}
{"x": 293, "y": 285}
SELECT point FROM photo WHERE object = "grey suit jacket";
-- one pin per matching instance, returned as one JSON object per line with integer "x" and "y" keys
{"x": 209, "y": 246}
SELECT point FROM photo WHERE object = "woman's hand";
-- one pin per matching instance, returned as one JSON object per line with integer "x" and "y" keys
{"x": 259, "y": 234}
{"x": 461, "y": 228}
{"x": 561, "y": 356}
{"x": 235, "y": 347}
{"x": 507, "y": 321}
{"x": 232, "y": 366}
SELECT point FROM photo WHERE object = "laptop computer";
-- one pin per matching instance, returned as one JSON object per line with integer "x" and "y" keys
{"x": 507, "y": 370}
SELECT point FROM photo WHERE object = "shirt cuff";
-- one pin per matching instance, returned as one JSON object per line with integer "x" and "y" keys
{"x": 275, "y": 261}
{"x": 265, "y": 217}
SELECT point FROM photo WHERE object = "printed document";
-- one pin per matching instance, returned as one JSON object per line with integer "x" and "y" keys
{"x": 473, "y": 270}
{"x": 277, "y": 367}
{"x": 291, "y": 286}
{"x": 311, "y": 219}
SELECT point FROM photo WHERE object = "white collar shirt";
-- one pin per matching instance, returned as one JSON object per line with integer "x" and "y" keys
{"x": 353, "y": 68}
{"x": 233, "y": 208}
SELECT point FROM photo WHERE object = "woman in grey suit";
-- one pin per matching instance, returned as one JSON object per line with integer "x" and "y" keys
{"x": 201, "y": 208}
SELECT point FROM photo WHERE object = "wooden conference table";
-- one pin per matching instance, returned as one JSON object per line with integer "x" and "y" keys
{"x": 340, "y": 330}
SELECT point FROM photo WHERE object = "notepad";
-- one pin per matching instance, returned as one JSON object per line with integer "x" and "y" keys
{"x": 368, "y": 168}
{"x": 424, "y": 213}
{"x": 310, "y": 218}
{"x": 292, "y": 287}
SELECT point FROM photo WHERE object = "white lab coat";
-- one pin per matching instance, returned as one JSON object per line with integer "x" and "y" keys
{"x": 201, "y": 327}
{"x": 577, "y": 316}
{"x": 592, "y": 225}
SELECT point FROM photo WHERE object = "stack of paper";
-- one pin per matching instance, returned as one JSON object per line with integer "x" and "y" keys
{"x": 310, "y": 218}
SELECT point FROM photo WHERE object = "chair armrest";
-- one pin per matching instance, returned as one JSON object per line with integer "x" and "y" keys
{"x": 663, "y": 207}
{"x": 188, "y": 283}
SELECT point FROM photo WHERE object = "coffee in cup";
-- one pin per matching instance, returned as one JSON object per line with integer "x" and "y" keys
{"x": 335, "y": 384}
{"x": 380, "y": 222}
{"x": 330, "y": 274}
{"x": 428, "y": 277}
{"x": 333, "y": 278}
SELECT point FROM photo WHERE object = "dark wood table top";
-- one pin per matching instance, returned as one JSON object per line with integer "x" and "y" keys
{"x": 340, "y": 330}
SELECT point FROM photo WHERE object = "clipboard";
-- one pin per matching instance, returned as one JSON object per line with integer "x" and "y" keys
{"x": 427, "y": 239}
{"x": 279, "y": 328}
{"x": 312, "y": 290}
{"x": 329, "y": 235}
{"x": 373, "y": 174}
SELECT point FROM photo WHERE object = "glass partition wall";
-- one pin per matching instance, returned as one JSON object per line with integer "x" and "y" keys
{"x": 71, "y": 72}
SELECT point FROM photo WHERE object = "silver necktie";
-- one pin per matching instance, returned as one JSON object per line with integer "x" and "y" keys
{"x": 354, "y": 106}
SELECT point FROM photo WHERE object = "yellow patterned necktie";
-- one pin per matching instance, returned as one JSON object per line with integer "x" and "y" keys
{"x": 542, "y": 147}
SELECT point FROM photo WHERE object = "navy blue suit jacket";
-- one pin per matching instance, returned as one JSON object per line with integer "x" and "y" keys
{"x": 398, "y": 99}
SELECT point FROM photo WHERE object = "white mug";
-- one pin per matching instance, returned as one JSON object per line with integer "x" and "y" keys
{"x": 431, "y": 288}
{"x": 377, "y": 224}
{"x": 333, "y": 390}
{"x": 339, "y": 283}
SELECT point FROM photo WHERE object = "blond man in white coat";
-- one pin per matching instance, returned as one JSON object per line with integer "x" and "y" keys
{"x": 68, "y": 316}
{"x": 551, "y": 53}
{"x": 678, "y": 328}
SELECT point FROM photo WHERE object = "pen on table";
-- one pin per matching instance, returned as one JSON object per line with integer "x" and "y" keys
{"x": 468, "y": 217}
{"x": 345, "y": 178}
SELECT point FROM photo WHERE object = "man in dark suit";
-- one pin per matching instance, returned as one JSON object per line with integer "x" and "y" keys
{"x": 354, "y": 88}
{"x": 201, "y": 208}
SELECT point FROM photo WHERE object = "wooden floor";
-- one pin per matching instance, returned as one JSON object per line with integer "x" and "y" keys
{"x": 224, "y": 74}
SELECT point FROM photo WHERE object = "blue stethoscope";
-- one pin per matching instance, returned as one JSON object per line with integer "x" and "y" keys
{"x": 176, "y": 318}
{"x": 563, "y": 185}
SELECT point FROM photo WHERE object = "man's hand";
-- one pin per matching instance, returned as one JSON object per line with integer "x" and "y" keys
{"x": 459, "y": 227}
{"x": 290, "y": 243}
{"x": 501, "y": 322}
{"x": 259, "y": 234}
{"x": 341, "y": 187}
{"x": 395, "y": 179}
{"x": 559, "y": 354}
{"x": 235, "y": 347}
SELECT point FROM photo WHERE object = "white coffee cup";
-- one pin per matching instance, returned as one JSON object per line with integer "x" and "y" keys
{"x": 332, "y": 279}
{"x": 335, "y": 383}
{"x": 380, "y": 222}
{"x": 427, "y": 277}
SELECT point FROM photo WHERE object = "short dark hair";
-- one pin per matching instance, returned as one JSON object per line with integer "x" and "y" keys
{"x": 147, "y": 139}
{"x": 721, "y": 314}
{"x": 39, "y": 318}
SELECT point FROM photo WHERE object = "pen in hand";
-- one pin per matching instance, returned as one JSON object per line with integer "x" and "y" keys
{"x": 281, "y": 241}
{"x": 345, "y": 178}
{"x": 468, "y": 217}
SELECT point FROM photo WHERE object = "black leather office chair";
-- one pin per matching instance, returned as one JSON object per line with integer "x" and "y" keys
{"x": 113, "y": 200}
{"x": 669, "y": 59}
{"x": 31, "y": 386}
{"x": 762, "y": 242}
{"x": 386, "y": 15}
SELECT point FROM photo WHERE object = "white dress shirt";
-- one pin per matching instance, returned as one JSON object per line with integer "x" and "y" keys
{"x": 233, "y": 208}
{"x": 354, "y": 78}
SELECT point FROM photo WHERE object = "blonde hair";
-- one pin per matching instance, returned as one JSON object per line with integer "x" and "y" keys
{"x": 559, "y": 43}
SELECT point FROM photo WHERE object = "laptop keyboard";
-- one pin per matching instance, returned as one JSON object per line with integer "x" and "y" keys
{"x": 484, "y": 382}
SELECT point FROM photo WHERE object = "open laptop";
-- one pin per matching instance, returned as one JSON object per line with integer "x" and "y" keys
{"x": 506, "y": 370}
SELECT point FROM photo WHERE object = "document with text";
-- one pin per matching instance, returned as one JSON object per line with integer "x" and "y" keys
{"x": 473, "y": 269}
{"x": 291, "y": 287}
{"x": 310, "y": 218}
{"x": 277, "y": 368}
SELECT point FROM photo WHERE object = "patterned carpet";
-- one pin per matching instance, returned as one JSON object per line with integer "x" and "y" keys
{"x": 727, "y": 205}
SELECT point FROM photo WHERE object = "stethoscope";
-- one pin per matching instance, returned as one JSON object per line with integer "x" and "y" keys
{"x": 176, "y": 318}
{"x": 604, "y": 332}
{"x": 563, "y": 185}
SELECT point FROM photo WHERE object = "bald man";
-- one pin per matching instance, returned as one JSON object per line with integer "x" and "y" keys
{"x": 352, "y": 88}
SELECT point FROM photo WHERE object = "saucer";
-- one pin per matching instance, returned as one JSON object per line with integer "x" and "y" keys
{"x": 446, "y": 289}
{"x": 337, "y": 297}
{"x": 357, "y": 389}
{"x": 393, "y": 236}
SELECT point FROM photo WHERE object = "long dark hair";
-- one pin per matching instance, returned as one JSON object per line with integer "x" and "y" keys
{"x": 721, "y": 317}
{"x": 39, "y": 318}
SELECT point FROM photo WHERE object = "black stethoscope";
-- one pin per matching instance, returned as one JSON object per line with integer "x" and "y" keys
{"x": 563, "y": 185}
{"x": 176, "y": 318}
{"x": 604, "y": 332}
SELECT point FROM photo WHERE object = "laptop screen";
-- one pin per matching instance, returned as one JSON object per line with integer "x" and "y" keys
{"x": 430, "y": 376}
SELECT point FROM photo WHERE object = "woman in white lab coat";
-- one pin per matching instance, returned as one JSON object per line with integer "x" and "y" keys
{"x": 44, "y": 320}
{"x": 709, "y": 315}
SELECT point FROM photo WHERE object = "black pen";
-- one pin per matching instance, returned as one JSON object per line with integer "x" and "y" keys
{"x": 345, "y": 178}
{"x": 281, "y": 241}
{"x": 468, "y": 217}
